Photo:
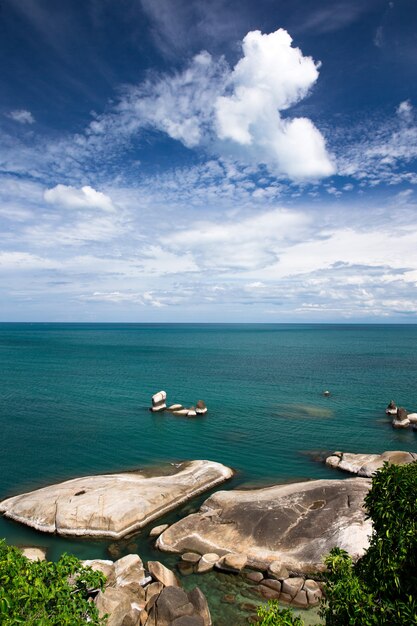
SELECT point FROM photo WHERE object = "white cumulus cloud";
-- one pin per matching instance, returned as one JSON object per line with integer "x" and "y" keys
{"x": 73, "y": 198}
{"x": 22, "y": 116}
{"x": 271, "y": 77}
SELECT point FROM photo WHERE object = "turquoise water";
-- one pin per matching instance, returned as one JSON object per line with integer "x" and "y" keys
{"x": 74, "y": 401}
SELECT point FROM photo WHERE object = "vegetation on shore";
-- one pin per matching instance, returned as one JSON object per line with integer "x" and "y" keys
{"x": 46, "y": 593}
{"x": 379, "y": 589}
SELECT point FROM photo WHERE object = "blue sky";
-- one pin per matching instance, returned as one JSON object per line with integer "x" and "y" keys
{"x": 189, "y": 160}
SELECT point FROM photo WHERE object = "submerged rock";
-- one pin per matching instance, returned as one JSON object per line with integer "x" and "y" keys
{"x": 112, "y": 505}
{"x": 34, "y": 554}
{"x": 295, "y": 524}
{"x": 367, "y": 464}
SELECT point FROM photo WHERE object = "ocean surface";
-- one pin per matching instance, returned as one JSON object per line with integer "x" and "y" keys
{"x": 74, "y": 401}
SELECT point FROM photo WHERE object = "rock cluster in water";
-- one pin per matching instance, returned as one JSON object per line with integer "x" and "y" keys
{"x": 159, "y": 405}
{"x": 401, "y": 417}
{"x": 113, "y": 505}
{"x": 151, "y": 596}
{"x": 367, "y": 464}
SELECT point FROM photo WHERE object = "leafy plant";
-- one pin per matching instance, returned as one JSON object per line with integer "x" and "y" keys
{"x": 46, "y": 593}
{"x": 272, "y": 615}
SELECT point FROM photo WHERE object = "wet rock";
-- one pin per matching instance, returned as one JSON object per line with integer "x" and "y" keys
{"x": 268, "y": 593}
{"x": 157, "y": 530}
{"x": 114, "y": 550}
{"x": 186, "y": 569}
{"x": 175, "y": 407}
{"x": 112, "y": 505}
{"x": 229, "y": 598}
{"x": 162, "y": 574}
{"x": 192, "y": 412}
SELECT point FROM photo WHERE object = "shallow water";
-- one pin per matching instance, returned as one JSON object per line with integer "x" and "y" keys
{"x": 74, "y": 401}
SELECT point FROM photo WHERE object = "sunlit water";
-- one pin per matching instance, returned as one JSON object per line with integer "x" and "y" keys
{"x": 74, "y": 401}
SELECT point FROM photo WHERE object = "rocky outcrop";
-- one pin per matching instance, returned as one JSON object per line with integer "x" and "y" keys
{"x": 296, "y": 524}
{"x": 159, "y": 402}
{"x": 131, "y": 598}
{"x": 367, "y": 464}
{"x": 33, "y": 553}
{"x": 401, "y": 419}
{"x": 112, "y": 505}
{"x": 391, "y": 408}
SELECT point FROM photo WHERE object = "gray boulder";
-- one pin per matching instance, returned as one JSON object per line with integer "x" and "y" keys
{"x": 296, "y": 524}
{"x": 159, "y": 402}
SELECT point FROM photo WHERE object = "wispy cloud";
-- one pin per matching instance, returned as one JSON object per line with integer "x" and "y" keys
{"x": 22, "y": 116}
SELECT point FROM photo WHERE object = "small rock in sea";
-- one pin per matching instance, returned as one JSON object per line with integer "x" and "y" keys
{"x": 158, "y": 530}
{"x": 192, "y": 412}
{"x": 326, "y": 393}
{"x": 191, "y": 557}
{"x": 158, "y": 401}
{"x": 391, "y": 408}
{"x": 401, "y": 419}
{"x": 114, "y": 550}
{"x": 186, "y": 569}
{"x": 175, "y": 407}
{"x": 200, "y": 407}
{"x": 206, "y": 563}
{"x": 412, "y": 417}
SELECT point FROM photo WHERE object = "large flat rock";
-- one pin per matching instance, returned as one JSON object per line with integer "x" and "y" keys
{"x": 367, "y": 464}
{"x": 295, "y": 523}
{"x": 112, "y": 505}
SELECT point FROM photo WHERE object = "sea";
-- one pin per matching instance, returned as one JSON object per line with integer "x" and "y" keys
{"x": 74, "y": 401}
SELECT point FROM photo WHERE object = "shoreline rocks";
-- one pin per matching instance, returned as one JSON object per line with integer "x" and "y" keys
{"x": 367, "y": 464}
{"x": 401, "y": 417}
{"x": 295, "y": 524}
{"x": 132, "y": 598}
{"x": 112, "y": 505}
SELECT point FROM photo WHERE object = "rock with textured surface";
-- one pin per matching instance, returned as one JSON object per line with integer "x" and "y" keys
{"x": 157, "y": 530}
{"x": 159, "y": 401}
{"x": 112, "y": 505}
{"x": 207, "y": 562}
{"x": 130, "y": 574}
{"x": 175, "y": 607}
{"x": 296, "y": 524}
{"x": 201, "y": 408}
{"x": 401, "y": 419}
{"x": 34, "y": 554}
{"x": 233, "y": 562}
{"x": 162, "y": 574}
{"x": 117, "y": 603}
{"x": 391, "y": 408}
{"x": 368, "y": 464}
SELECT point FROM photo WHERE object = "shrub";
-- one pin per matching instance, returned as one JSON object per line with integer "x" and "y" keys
{"x": 272, "y": 615}
{"x": 45, "y": 593}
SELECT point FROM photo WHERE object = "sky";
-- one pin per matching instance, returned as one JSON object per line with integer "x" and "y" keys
{"x": 208, "y": 161}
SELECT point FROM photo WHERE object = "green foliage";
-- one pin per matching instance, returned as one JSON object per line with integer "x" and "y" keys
{"x": 379, "y": 588}
{"x": 272, "y": 615}
{"x": 45, "y": 593}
